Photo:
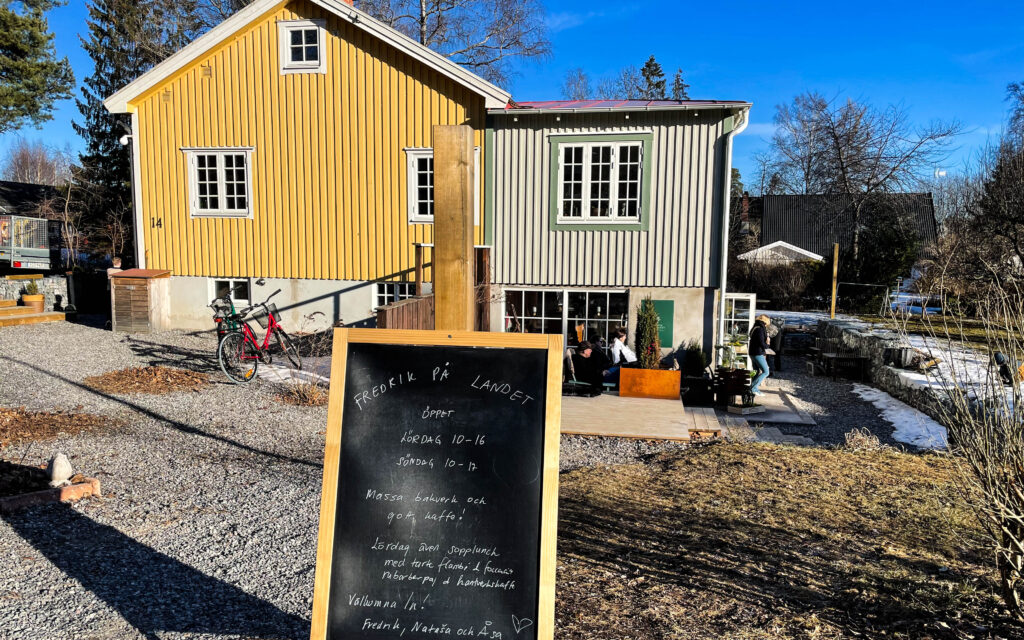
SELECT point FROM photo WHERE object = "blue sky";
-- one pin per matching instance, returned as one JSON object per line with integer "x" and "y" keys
{"x": 941, "y": 60}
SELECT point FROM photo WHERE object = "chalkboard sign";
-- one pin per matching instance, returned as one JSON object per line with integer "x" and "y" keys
{"x": 439, "y": 504}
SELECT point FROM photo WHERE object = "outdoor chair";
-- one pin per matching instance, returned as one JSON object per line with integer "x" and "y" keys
{"x": 570, "y": 385}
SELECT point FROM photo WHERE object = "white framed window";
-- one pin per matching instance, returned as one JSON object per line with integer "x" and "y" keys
{"x": 420, "y": 184}
{"x": 238, "y": 288}
{"x": 391, "y": 292}
{"x": 600, "y": 181}
{"x": 302, "y": 46}
{"x": 576, "y": 314}
{"x": 220, "y": 182}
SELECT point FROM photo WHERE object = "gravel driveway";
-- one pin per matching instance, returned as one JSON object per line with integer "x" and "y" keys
{"x": 207, "y": 527}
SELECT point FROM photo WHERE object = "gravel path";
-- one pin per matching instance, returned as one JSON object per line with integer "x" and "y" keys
{"x": 208, "y": 524}
{"x": 833, "y": 405}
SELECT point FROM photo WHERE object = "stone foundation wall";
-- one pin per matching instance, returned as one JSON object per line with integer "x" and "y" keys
{"x": 877, "y": 346}
{"x": 50, "y": 286}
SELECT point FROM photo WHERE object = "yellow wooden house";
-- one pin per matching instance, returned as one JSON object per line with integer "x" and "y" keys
{"x": 292, "y": 143}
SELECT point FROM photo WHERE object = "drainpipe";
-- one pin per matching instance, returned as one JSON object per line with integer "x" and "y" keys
{"x": 744, "y": 119}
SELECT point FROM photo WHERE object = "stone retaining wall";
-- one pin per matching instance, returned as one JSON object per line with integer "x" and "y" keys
{"x": 877, "y": 346}
{"x": 50, "y": 286}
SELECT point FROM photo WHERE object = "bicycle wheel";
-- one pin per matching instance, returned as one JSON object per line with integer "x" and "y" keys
{"x": 238, "y": 358}
{"x": 288, "y": 348}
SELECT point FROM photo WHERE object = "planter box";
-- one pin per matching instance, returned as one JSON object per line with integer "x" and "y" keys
{"x": 649, "y": 383}
{"x": 35, "y": 301}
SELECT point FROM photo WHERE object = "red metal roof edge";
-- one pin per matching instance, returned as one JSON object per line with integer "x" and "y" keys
{"x": 540, "y": 105}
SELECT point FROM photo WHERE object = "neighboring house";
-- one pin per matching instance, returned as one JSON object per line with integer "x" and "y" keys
{"x": 779, "y": 252}
{"x": 597, "y": 204}
{"x": 24, "y": 199}
{"x": 292, "y": 143}
{"x": 816, "y": 222}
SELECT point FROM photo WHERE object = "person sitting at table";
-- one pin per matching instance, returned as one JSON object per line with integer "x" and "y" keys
{"x": 588, "y": 367}
{"x": 621, "y": 355}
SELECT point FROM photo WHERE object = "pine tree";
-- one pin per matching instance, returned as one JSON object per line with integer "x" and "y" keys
{"x": 679, "y": 87}
{"x": 654, "y": 80}
{"x": 31, "y": 77}
{"x": 648, "y": 339}
{"x": 124, "y": 41}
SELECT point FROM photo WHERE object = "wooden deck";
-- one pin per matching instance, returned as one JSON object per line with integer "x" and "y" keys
{"x": 610, "y": 415}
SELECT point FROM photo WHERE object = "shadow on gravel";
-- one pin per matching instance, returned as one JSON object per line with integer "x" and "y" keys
{"x": 169, "y": 355}
{"x": 152, "y": 591}
{"x": 174, "y": 424}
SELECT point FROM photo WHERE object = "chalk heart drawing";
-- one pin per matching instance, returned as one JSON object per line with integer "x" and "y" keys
{"x": 520, "y": 623}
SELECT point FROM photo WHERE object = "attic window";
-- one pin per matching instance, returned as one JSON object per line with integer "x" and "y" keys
{"x": 302, "y": 46}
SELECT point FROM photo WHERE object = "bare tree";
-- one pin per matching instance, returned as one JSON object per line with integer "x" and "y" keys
{"x": 984, "y": 417}
{"x": 67, "y": 210}
{"x": 36, "y": 163}
{"x": 627, "y": 84}
{"x": 482, "y": 36}
{"x": 576, "y": 85}
{"x": 833, "y": 146}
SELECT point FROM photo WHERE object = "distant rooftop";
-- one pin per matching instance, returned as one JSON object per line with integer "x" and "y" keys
{"x": 616, "y": 105}
{"x": 23, "y": 198}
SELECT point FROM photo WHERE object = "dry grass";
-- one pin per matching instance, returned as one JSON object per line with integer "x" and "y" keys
{"x": 758, "y": 541}
{"x": 18, "y": 425}
{"x": 304, "y": 394}
{"x": 152, "y": 380}
{"x": 863, "y": 440}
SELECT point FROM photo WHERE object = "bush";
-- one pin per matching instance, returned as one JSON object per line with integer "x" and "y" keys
{"x": 31, "y": 289}
{"x": 694, "y": 358}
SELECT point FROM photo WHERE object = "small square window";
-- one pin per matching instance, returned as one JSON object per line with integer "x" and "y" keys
{"x": 302, "y": 46}
{"x": 238, "y": 290}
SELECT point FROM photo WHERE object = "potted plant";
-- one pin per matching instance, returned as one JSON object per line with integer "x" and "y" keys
{"x": 697, "y": 384}
{"x": 30, "y": 297}
{"x": 649, "y": 380}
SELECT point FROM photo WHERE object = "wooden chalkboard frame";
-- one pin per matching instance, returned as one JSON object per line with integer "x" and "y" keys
{"x": 332, "y": 453}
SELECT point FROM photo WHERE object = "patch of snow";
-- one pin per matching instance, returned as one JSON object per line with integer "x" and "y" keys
{"x": 911, "y": 426}
{"x": 802, "y": 317}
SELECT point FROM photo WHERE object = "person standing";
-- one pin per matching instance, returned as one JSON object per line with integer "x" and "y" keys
{"x": 757, "y": 350}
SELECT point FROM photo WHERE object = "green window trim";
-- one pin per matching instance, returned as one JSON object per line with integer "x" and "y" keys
{"x": 554, "y": 186}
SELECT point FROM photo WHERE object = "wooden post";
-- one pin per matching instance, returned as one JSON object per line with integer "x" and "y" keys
{"x": 454, "y": 291}
{"x": 419, "y": 270}
{"x": 835, "y": 277}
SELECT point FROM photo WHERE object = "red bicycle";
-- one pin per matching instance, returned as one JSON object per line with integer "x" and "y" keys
{"x": 240, "y": 352}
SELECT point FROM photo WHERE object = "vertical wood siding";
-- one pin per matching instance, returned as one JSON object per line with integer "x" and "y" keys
{"x": 328, "y": 166}
{"x": 678, "y": 250}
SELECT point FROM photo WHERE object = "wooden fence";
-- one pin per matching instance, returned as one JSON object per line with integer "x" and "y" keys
{"x": 418, "y": 312}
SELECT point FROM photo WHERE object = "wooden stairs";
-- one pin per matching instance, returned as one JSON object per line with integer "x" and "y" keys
{"x": 11, "y": 314}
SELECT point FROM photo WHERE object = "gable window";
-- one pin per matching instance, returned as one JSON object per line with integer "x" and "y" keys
{"x": 420, "y": 183}
{"x": 601, "y": 180}
{"x": 219, "y": 182}
{"x": 302, "y": 46}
